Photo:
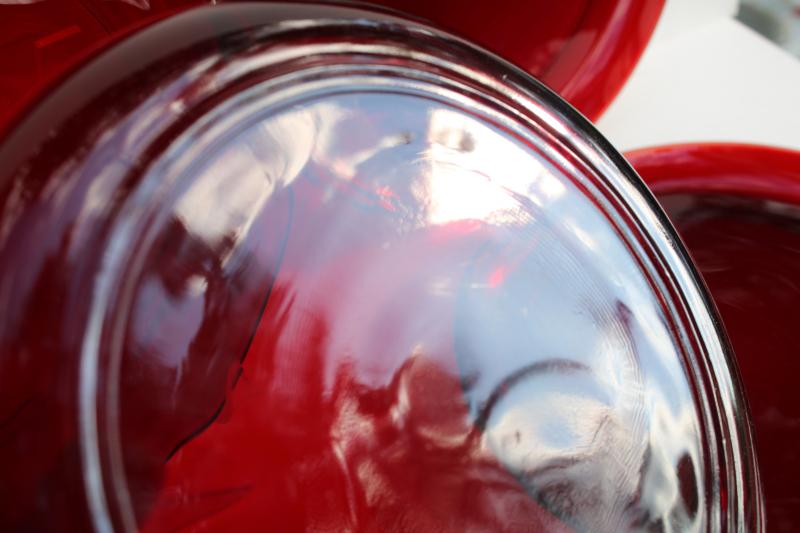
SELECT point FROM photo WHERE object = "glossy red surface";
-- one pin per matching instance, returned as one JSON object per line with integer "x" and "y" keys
{"x": 583, "y": 50}
{"x": 737, "y": 208}
{"x": 720, "y": 168}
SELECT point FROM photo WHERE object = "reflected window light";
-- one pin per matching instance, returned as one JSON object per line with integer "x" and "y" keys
{"x": 233, "y": 188}
{"x": 461, "y": 157}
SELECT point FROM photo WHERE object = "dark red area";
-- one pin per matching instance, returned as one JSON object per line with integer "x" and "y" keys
{"x": 737, "y": 209}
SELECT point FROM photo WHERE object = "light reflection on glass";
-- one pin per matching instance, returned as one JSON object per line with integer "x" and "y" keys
{"x": 445, "y": 309}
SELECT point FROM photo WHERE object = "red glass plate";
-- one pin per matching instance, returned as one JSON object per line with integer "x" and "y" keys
{"x": 321, "y": 268}
{"x": 737, "y": 209}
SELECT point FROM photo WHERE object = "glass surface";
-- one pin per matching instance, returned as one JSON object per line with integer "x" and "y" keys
{"x": 317, "y": 268}
{"x": 443, "y": 342}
